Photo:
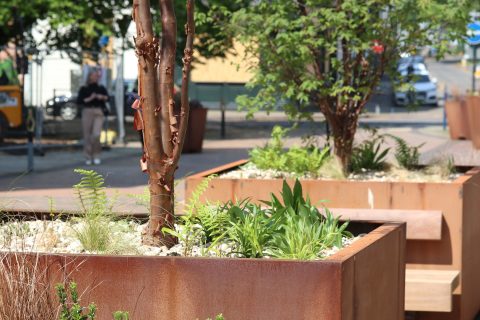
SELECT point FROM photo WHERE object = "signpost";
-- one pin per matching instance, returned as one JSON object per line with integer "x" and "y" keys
{"x": 474, "y": 42}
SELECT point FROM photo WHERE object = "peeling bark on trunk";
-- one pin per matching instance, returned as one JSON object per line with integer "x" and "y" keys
{"x": 163, "y": 136}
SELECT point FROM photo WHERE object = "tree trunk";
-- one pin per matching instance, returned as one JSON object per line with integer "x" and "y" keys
{"x": 163, "y": 129}
{"x": 161, "y": 215}
{"x": 343, "y": 132}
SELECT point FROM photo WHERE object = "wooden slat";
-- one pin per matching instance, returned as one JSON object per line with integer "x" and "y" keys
{"x": 421, "y": 224}
{"x": 430, "y": 290}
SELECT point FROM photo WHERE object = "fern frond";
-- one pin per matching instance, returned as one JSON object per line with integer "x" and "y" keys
{"x": 194, "y": 200}
{"x": 407, "y": 156}
{"x": 91, "y": 190}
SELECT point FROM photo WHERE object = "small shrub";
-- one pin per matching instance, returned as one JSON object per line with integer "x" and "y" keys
{"x": 407, "y": 156}
{"x": 70, "y": 308}
{"x": 299, "y": 160}
{"x": 271, "y": 156}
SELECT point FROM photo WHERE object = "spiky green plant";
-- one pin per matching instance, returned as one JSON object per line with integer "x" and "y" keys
{"x": 302, "y": 231}
{"x": 369, "y": 155}
{"x": 251, "y": 229}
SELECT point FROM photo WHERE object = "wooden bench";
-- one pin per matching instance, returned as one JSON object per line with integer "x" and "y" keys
{"x": 421, "y": 224}
{"x": 430, "y": 290}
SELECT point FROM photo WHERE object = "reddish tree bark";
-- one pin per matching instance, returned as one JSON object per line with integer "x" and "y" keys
{"x": 163, "y": 128}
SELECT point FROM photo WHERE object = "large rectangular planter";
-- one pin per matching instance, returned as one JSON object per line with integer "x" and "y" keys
{"x": 459, "y": 202}
{"x": 363, "y": 281}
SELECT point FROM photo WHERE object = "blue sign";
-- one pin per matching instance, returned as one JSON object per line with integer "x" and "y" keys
{"x": 474, "y": 40}
{"x": 103, "y": 41}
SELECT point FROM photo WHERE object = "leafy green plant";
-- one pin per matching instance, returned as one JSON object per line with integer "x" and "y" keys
{"x": 70, "y": 308}
{"x": 333, "y": 54}
{"x": 202, "y": 223}
{"x": 299, "y": 160}
{"x": 218, "y": 317}
{"x": 287, "y": 227}
{"x": 303, "y": 231}
{"x": 120, "y": 315}
{"x": 270, "y": 156}
{"x": 369, "y": 155}
{"x": 407, "y": 156}
{"x": 251, "y": 229}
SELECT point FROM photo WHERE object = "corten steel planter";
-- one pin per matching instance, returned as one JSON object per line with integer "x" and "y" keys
{"x": 473, "y": 111}
{"x": 197, "y": 121}
{"x": 362, "y": 281}
{"x": 459, "y": 202}
{"x": 458, "y": 124}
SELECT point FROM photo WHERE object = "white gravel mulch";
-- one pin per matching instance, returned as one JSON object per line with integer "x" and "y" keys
{"x": 58, "y": 236}
{"x": 250, "y": 171}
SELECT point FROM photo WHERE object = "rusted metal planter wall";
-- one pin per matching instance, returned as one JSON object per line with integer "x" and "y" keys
{"x": 459, "y": 202}
{"x": 458, "y": 124}
{"x": 473, "y": 114}
{"x": 348, "y": 285}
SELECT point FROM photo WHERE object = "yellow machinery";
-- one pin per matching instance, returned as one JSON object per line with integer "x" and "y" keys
{"x": 10, "y": 108}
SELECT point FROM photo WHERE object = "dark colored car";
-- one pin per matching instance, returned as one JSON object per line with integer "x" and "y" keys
{"x": 66, "y": 107}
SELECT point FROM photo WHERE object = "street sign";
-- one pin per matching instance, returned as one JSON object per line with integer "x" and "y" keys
{"x": 474, "y": 38}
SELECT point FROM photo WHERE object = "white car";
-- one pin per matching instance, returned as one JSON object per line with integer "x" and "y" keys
{"x": 416, "y": 87}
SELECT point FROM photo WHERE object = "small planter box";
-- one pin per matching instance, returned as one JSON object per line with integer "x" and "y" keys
{"x": 197, "y": 121}
{"x": 362, "y": 281}
{"x": 458, "y": 201}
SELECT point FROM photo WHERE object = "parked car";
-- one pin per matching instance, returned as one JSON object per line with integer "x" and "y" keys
{"x": 414, "y": 84}
{"x": 416, "y": 88}
{"x": 63, "y": 106}
{"x": 66, "y": 107}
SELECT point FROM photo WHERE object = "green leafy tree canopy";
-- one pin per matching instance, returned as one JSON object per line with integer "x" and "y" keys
{"x": 332, "y": 53}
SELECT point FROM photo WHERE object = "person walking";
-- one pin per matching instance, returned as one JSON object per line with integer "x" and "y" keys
{"x": 92, "y": 97}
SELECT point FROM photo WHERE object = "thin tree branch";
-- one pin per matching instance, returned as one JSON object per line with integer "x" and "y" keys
{"x": 147, "y": 52}
{"x": 166, "y": 76}
{"x": 187, "y": 60}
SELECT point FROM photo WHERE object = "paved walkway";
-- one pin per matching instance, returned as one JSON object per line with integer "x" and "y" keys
{"x": 53, "y": 176}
